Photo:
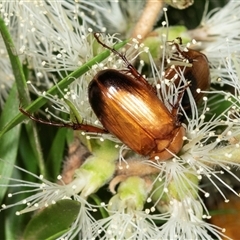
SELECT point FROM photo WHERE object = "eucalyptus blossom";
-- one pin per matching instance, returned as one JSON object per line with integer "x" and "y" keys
{"x": 147, "y": 198}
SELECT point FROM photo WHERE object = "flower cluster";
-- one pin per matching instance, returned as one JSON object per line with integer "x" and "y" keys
{"x": 151, "y": 198}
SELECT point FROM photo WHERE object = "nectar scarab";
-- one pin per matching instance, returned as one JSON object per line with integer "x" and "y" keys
{"x": 129, "y": 108}
{"x": 198, "y": 74}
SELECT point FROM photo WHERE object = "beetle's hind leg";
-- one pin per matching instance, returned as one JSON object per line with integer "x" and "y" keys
{"x": 75, "y": 126}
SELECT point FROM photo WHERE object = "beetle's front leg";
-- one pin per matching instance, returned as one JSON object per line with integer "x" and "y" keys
{"x": 176, "y": 106}
{"x": 129, "y": 66}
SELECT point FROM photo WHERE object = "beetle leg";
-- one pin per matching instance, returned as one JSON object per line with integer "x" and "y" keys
{"x": 74, "y": 126}
{"x": 129, "y": 65}
{"x": 131, "y": 68}
{"x": 175, "y": 107}
{"x": 173, "y": 42}
{"x": 180, "y": 40}
{"x": 184, "y": 54}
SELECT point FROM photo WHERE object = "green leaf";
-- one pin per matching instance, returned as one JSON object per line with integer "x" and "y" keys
{"x": 9, "y": 142}
{"x": 53, "y": 221}
{"x": 28, "y": 156}
{"x": 23, "y": 94}
{"x": 56, "y": 153}
{"x": 32, "y": 134}
{"x": 98, "y": 202}
{"x": 218, "y": 105}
